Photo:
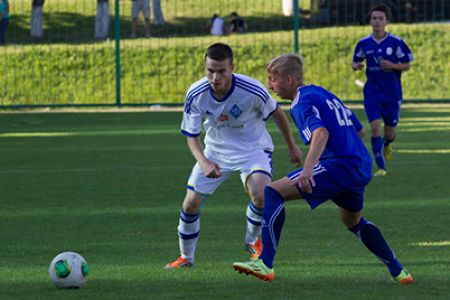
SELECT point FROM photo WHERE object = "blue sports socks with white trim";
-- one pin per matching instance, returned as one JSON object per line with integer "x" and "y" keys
{"x": 373, "y": 239}
{"x": 188, "y": 231}
{"x": 377, "y": 149}
{"x": 253, "y": 229}
{"x": 272, "y": 224}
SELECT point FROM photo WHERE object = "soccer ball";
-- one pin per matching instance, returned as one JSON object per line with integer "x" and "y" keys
{"x": 68, "y": 270}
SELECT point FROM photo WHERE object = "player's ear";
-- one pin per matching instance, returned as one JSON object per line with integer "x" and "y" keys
{"x": 290, "y": 79}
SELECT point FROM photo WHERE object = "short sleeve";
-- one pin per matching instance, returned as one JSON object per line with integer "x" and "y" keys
{"x": 311, "y": 117}
{"x": 403, "y": 53}
{"x": 269, "y": 107}
{"x": 191, "y": 124}
{"x": 359, "y": 54}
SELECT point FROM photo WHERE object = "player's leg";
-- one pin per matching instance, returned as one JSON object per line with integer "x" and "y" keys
{"x": 373, "y": 111}
{"x": 146, "y": 12}
{"x": 391, "y": 113}
{"x": 198, "y": 188}
{"x": 256, "y": 174}
{"x": 373, "y": 239}
{"x": 188, "y": 230}
{"x": 255, "y": 185}
{"x": 389, "y": 137}
{"x": 377, "y": 146}
{"x": 135, "y": 9}
{"x": 275, "y": 195}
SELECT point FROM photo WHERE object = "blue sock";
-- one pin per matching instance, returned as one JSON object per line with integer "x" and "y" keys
{"x": 372, "y": 238}
{"x": 272, "y": 224}
{"x": 377, "y": 149}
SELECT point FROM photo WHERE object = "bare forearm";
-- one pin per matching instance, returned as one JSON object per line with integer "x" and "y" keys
{"x": 196, "y": 149}
{"x": 282, "y": 124}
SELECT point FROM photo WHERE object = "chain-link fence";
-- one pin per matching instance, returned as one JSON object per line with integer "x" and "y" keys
{"x": 82, "y": 58}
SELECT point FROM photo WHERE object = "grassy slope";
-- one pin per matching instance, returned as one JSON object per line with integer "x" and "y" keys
{"x": 109, "y": 185}
{"x": 70, "y": 68}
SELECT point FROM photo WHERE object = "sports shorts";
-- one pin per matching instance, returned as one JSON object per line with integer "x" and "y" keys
{"x": 336, "y": 183}
{"x": 257, "y": 162}
{"x": 389, "y": 111}
{"x": 140, "y": 5}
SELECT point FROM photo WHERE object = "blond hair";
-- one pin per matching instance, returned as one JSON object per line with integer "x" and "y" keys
{"x": 287, "y": 64}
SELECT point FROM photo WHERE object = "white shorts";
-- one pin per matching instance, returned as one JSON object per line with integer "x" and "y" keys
{"x": 140, "y": 5}
{"x": 258, "y": 162}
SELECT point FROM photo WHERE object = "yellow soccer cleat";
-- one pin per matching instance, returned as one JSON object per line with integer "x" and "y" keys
{"x": 387, "y": 152}
{"x": 380, "y": 172}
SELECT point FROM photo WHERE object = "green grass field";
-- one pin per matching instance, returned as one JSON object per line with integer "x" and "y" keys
{"x": 109, "y": 186}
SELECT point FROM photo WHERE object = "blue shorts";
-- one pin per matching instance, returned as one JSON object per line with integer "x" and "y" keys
{"x": 389, "y": 111}
{"x": 337, "y": 183}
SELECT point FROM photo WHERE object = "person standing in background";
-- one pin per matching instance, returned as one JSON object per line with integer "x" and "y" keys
{"x": 136, "y": 8}
{"x": 36, "y": 19}
{"x": 4, "y": 20}
{"x": 102, "y": 20}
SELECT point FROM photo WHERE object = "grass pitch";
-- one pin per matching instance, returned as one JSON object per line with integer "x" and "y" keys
{"x": 110, "y": 185}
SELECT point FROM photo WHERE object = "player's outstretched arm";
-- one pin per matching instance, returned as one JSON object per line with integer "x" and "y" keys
{"x": 281, "y": 121}
{"x": 209, "y": 168}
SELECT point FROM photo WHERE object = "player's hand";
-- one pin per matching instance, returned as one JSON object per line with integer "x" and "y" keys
{"x": 296, "y": 155}
{"x": 358, "y": 66}
{"x": 386, "y": 64}
{"x": 305, "y": 181}
{"x": 210, "y": 169}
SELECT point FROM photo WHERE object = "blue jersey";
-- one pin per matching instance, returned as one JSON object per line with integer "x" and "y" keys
{"x": 315, "y": 107}
{"x": 382, "y": 85}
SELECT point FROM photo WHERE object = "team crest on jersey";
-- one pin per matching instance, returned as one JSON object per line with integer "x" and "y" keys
{"x": 389, "y": 51}
{"x": 235, "y": 111}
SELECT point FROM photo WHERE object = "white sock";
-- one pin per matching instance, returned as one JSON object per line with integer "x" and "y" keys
{"x": 254, "y": 218}
{"x": 188, "y": 231}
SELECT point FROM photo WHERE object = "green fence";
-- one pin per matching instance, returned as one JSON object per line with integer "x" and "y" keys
{"x": 69, "y": 66}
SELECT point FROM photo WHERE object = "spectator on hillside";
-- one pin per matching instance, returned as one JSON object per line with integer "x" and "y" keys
{"x": 4, "y": 20}
{"x": 216, "y": 25}
{"x": 158, "y": 17}
{"x": 102, "y": 20}
{"x": 36, "y": 19}
{"x": 237, "y": 24}
{"x": 136, "y": 8}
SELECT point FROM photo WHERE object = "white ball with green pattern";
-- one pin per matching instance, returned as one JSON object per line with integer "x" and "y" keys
{"x": 68, "y": 270}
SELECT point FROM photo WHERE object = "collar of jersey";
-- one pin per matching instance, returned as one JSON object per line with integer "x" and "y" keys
{"x": 233, "y": 83}
{"x": 382, "y": 40}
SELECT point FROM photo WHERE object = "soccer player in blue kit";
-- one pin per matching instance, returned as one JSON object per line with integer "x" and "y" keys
{"x": 386, "y": 56}
{"x": 337, "y": 167}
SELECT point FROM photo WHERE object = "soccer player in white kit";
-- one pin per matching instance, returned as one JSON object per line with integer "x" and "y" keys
{"x": 233, "y": 109}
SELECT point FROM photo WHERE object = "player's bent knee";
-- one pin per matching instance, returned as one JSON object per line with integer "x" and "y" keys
{"x": 258, "y": 199}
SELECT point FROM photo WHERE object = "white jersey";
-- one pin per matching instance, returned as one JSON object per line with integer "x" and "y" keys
{"x": 235, "y": 125}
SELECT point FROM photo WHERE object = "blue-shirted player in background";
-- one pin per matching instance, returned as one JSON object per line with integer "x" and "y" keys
{"x": 337, "y": 167}
{"x": 386, "y": 56}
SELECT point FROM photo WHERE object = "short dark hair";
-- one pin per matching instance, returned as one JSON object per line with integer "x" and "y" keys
{"x": 220, "y": 52}
{"x": 383, "y": 8}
